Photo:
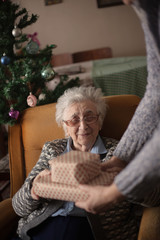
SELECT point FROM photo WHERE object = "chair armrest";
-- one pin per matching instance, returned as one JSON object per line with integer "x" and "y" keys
{"x": 150, "y": 224}
{"x": 8, "y": 219}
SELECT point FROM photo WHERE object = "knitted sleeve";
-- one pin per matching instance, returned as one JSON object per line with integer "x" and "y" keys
{"x": 139, "y": 181}
{"x": 146, "y": 117}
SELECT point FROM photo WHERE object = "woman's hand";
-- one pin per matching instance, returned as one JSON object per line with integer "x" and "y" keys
{"x": 42, "y": 174}
{"x": 115, "y": 164}
{"x": 100, "y": 198}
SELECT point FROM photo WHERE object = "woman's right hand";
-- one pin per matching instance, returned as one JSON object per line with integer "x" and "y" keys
{"x": 42, "y": 174}
{"x": 114, "y": 164}
{"x": 100, "y": 199}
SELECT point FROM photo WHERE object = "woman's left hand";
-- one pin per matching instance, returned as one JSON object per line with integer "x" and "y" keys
{"x": 100, "y": 198}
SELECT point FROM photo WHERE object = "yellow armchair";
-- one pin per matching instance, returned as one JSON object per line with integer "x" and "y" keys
{"x": 35, "y": 127}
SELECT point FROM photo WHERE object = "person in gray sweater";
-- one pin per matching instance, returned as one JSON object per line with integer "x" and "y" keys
{"x": 139, "y": 147}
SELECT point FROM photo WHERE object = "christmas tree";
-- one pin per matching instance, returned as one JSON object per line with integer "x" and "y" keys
{"x": 25, "y": 69}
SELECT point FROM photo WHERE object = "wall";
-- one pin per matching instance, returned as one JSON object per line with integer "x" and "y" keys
{"x": 76, "y": 25}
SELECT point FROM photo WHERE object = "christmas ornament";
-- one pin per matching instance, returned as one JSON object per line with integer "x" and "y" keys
{"x": 18, "y": 45}
{"x": 31, "y": 100}
{"x": 48, "y": 73}
{"x": 5, "y": 60}
{"x": 34, "y": 38}
{"x": 32, "y": 47}
{"x": 51, "y": 85}
{"x": 13, "y": 113}
{"x": 42, "y": 96}
{"x": 16, "y": 32}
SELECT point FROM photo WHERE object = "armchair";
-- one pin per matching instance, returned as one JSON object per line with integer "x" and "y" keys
{"x": 37, "y": 126}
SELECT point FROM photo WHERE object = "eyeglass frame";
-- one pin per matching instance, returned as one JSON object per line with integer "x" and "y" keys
{"x": 67, "y": 122}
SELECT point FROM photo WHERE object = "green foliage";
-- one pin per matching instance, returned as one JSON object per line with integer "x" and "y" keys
{"x": 24, "y": 72}
{"x": 9, "y": 12}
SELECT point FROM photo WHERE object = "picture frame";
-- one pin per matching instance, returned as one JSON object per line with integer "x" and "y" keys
{"x": 108, "y": 3}
{"x": 51, "y": 2}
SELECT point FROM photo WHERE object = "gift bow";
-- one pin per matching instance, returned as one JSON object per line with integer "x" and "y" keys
{"x": 34, "y": 38}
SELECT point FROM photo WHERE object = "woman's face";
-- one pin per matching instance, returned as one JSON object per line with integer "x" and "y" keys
{"x": 85, "y": 117}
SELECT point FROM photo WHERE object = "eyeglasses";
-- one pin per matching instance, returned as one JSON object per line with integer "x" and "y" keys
{"x": 76, "y": 120}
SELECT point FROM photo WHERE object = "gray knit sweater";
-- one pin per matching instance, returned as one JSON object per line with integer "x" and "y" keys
{"x": 141, "y": 142}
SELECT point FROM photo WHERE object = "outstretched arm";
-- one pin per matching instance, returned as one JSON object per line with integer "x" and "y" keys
{"x": 146, "y": 117}
{"x": 100, "y": 198}
{"x": 139, "y": 181}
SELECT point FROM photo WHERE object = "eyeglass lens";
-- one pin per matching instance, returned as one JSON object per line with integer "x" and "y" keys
{"x": 76, "y": 120}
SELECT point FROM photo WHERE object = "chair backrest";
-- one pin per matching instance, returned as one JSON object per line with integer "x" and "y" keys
{"x": 37, "y": 125}
{"x": 92, "y": 54}
{"x": 61, "y": 59}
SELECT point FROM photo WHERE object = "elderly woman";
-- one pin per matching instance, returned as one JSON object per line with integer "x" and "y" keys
{"x": 81, "y": 112}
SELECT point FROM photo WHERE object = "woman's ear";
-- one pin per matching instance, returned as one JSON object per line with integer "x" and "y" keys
{"x": 100, "y": 126}
{"x": 65, "y": 129}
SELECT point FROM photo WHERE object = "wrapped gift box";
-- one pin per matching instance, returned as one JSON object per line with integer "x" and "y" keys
{"x": 67, "y": 172}
{"x": 75, "y": 167}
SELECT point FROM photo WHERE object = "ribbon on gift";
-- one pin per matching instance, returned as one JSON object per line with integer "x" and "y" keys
{"x": 34, "y": 37}
{"x": 67, "y": 172}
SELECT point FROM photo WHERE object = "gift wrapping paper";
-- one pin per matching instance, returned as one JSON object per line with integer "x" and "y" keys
{"x": 67, "y": 172}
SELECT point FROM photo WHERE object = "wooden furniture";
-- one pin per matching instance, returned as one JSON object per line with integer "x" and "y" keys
{"x": 92, "y": 54}
{"x": 61, "y": 59}
{"x": 35, "y": 127}
{"x": 82, "y": 56}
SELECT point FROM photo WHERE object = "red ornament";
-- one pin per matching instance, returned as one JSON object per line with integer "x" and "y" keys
{"x": 31, "y": 100}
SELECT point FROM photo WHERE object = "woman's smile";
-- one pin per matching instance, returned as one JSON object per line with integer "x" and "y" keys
{"x": 83, "y": 130}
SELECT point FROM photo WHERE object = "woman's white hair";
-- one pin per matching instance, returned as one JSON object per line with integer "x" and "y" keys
{"x": 80, "y": 94}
